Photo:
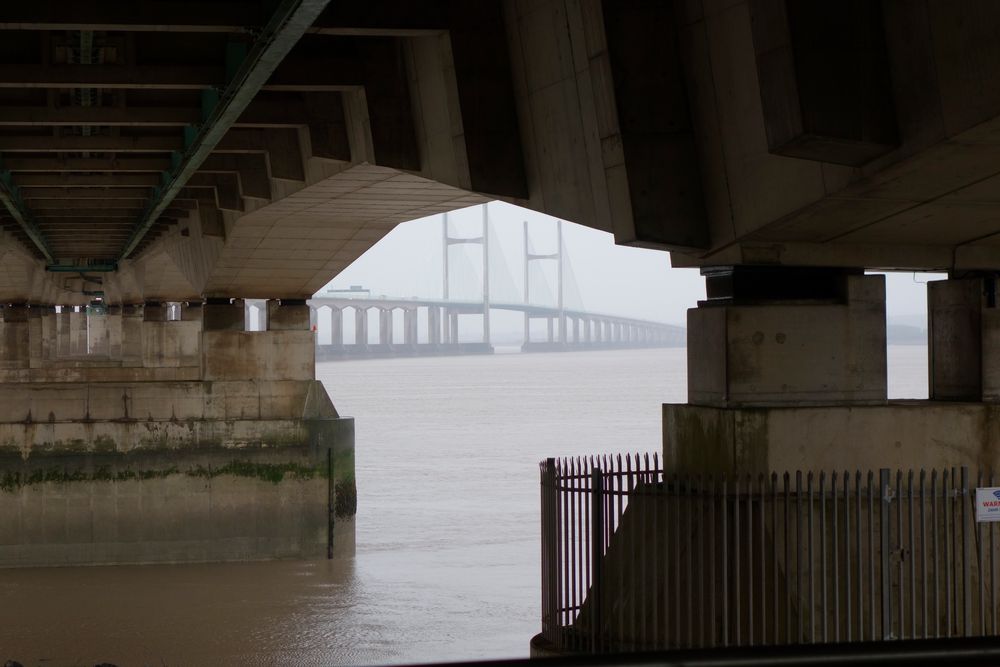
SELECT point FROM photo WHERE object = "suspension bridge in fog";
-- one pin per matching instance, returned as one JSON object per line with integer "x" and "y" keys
{"x": 430, "y": 326}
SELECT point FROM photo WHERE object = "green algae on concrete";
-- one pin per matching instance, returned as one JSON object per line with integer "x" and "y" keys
{"x": 269, "y": 472}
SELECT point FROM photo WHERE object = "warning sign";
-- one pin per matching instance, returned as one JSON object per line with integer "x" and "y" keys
{"x": 988, "y": 504}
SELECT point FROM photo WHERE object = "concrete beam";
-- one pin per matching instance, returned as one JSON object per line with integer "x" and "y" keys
{"x": 376, "y": 17}
{"x": 323, "y": 74}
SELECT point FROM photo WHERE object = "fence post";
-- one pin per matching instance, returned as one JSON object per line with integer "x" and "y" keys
{"x": 331, "y": 503}
{"x": 884, "y": 527}
{"x": 597, "y": 554}
{"x": 550, "y": 600}
{"x": 966, "y": 583}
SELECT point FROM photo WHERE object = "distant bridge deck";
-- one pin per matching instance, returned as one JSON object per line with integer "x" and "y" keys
{"x": 476, "y": 308}
{"x": 568, "y": 329}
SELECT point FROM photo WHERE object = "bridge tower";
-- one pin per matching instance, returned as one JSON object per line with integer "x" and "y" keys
{"x": 450, "y": 323}
{"x": 560, "y": 305}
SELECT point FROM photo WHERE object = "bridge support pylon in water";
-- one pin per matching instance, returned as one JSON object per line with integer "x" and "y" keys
{"x": 787, "y": 370}
{"x": 174, "y": 435}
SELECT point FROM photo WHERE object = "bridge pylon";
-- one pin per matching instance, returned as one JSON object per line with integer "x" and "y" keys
{"x": 559, "y": 333}
{"x": 450, "y": 331}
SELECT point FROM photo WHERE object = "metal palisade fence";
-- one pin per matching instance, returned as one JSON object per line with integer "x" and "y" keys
{"x": 636, "y": 559}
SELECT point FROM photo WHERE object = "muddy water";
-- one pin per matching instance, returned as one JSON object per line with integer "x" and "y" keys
{"x": 447, "y": 563}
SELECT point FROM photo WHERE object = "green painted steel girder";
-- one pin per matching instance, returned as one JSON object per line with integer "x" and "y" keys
{"x": 96, "y": 267}
{"x": 291, "y": 20}
{"x": 10, "y": 195}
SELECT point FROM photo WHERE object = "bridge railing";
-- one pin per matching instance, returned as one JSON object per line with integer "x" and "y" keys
{"x": 636, "y": 559}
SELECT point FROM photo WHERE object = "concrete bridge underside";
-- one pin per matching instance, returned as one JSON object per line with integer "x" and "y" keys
{"x": 197, "y": 153}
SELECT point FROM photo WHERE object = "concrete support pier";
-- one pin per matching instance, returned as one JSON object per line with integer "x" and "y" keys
{"x": 964, "y": 339}
{"x": 778, "y": 348}
{"x": 787, "y": 370}
{"x": 174, "y": 440}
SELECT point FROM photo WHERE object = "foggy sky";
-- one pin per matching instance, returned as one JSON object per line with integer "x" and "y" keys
{"x": 611, "y": 279}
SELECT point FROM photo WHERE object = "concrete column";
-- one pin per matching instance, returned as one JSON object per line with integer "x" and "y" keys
{"x": 114, "y": 324}
{"x": 551, "y": 326}
{"x": 97, "y": 333}
{"x": 77, "y": 332}
{"x": 48, "y": 336}
{"x": 336, "y": 327}
{"x": 586, "y": 329}
{"x": 788, "y": 337}
{"x": 14, "y": 338}
{"x": 410, "y": 326}
{"x": 385, "y": 326}
{"x": 361, "y": 326}
{"x": 62, "y": 332}
{"x": 955, "y": 339}
{"x": 132, "y": 316}
{"x": 154, "y": 311}
{"x": 192, "y": 312}
{"x": 313, "y": 319}
{"x": 576, "y": 330}
{"x": 453, "y": 319}
{"x": 434, "y": 325}
{"x": 290, "y": 315}
{"x": 35, "y": 353}
{"x": 221, "y": 314}
{"x": 786, "y": 371}
{"x": 964, "y": 339}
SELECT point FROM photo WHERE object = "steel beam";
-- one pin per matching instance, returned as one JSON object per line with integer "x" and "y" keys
{"x": 10, "y": 196}
{"x": 91, "y": 144}
{"x": 82, "y": 164}
{"x": 138, "y": 193}
{"x": 282, "y": 32}
{"x": 97, "y": 267}
{"x": 291, "y": 112}
{"x": 17, "y": 116}
{"x": 88, "y": 180}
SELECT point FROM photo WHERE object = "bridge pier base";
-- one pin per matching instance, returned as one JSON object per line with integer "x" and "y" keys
{"x": 187, "y": 440}
{"x": 772, "y": 355}
{"x": 787, "y": 371}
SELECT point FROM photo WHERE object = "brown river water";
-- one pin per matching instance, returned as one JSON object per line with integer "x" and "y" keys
{"x": 447, "y": 528}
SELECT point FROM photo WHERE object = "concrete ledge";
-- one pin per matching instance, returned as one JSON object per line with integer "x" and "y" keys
{"x": 162, "y": 401}
{"x": 899, "y": 434}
